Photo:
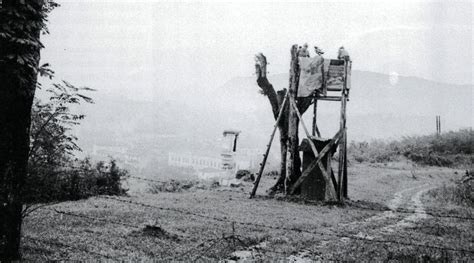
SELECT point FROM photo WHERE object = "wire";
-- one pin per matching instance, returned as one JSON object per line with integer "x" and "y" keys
{"x": 59, "y": 244}
{"x": 384, "y": 209}
{"x": 294, "y": 229}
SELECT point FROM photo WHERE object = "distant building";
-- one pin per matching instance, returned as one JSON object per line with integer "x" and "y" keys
{"x": 194, "y": 161}
{"x": 230, "y": 158}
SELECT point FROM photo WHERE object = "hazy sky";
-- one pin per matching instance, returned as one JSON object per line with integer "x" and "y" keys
{"x": 149, "y": 49}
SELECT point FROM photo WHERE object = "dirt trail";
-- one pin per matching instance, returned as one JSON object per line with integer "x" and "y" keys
{"x": 389, "y": 222}
{"x": 377, "y": 226}
{"x": 416, "y": 206}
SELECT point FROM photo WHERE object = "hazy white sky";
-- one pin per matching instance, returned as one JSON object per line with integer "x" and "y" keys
{"x": 152, "y": 49}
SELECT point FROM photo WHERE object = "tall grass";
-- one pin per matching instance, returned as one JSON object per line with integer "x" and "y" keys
{"x": 460, "y": 193}
{"x": 454, "y": 148}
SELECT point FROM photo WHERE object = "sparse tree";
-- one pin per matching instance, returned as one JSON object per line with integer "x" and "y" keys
{"x": 52, "y": 144}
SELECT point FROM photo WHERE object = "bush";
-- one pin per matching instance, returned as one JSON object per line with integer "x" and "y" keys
{"x": 376, "y": 151}
{"x": 46, "y": 184}
{"x": 448, "y": 149}
{"x": 173, "y": 186}
{"x": 461, "y": 193}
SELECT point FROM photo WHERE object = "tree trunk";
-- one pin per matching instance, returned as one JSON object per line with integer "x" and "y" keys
{"x": 292, "y": 167}
{"x": 18, "y": 74}
{"x": 276, "y": 99}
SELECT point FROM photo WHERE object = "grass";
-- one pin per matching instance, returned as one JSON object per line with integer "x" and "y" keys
{"x": 450, "y": 149}
{"x": 128, "y": 232}
{"x": 460, "y": 193}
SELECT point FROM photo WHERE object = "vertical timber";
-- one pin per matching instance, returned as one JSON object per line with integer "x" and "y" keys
{"x": 292, "y": 143}
{"x": 342, "y": 175}
{"x": 315, "y": 118}
{"x": 269, "y": 145}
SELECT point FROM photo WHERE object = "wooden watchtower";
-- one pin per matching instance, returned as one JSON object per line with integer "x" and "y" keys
{"x": 336, "y": 90}
{"x": 333, "y": 84}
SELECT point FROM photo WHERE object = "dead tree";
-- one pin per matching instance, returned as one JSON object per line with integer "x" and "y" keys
{"x": 276, "y": 98}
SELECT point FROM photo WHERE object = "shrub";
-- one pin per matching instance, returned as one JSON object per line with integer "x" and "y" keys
{"x": 454, "y": 148}
{"x": 448, "y": 149}
{"x": 48, "y": 184}
{"x": 461, "y": 193}
{"x": 376, "y": 151}
{"x": 172, "y": 186}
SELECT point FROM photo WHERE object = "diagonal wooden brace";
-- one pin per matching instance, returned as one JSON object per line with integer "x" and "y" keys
{"x": 269, "y": 145}
{"x": 320, "y": 157}
{"x": 325, "y": 173}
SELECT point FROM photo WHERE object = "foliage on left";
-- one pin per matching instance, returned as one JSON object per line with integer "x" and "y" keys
{"x": 54, "y": 174}
{"x": 21, "y": 24}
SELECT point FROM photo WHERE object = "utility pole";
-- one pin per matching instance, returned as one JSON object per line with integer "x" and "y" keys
{"x": 438, "y": 124}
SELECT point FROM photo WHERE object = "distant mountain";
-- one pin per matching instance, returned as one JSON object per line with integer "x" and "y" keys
{"x": 380, "y": 106}
{"x": 193, "y": 122}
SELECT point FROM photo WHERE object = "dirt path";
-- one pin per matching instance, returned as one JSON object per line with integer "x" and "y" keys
{"x": 414, "y": 204}
{"x": 390, "y": 222}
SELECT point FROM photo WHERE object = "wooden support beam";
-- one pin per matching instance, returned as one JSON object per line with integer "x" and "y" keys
{"x": 313, "y": 147}
{"x": 269, "y": 145}
{"x": 329, "y": 98}
{"x": 316, "y": 163}
{"x": 333, "y": 178}
{"x": 342, "y": 145}
{"x": 344, "y": 177}
{"x": 315, "y": 124}
{"x": 292, "y": 143}
{"x": 334, "y": 89}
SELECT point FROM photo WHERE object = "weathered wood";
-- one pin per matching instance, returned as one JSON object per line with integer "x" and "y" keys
{"x": 346, "y": 97}
{"x": 265, "y": 85}
{"x": 334, "y": 89}
{"x": 265, "y": 156}
{"x": 276, "y": 100}
{"x": 333, "y": 179}
{"x": 313, "y": 147}
{"x": 315, "y": 186}
{"x": 292, "y": 143}
{"x": 342, "y": 144}
{"x": 315, "y": 124}
{"x": 344, "y": 177}
{"x": 329, "y": 98}
{"x": 316, "y": 163}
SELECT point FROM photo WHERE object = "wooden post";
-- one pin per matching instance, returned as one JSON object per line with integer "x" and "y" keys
{"x": 344, "y": 177}
{"x": 292, "y": 143}
{"x": 342, "y": 144}
{"x": 315, "y": 113}
{"x": 265, "y": 156}
{"x": 331, "y": 174}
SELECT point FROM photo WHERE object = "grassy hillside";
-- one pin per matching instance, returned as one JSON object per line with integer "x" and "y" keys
{"x": 220, "y": 224}
{"x": 455, "y": 148}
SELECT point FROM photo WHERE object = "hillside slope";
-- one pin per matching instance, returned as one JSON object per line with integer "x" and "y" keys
{"x": 194, "y": 121}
